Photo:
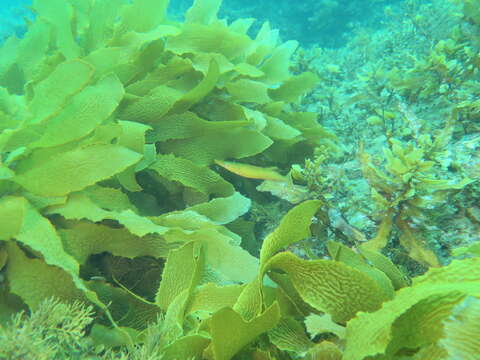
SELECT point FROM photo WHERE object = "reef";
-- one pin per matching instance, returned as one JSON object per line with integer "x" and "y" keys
{"x": 187, "y": 190}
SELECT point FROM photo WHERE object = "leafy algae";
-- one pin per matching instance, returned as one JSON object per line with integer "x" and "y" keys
{"x": 113, "y": 119}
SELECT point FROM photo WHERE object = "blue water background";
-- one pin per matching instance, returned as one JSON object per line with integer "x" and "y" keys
{"x": 12, "y": 17}
{"x": 327, "y": 23}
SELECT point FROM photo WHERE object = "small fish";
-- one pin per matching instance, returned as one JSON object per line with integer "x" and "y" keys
{"x": 252, "y": 171}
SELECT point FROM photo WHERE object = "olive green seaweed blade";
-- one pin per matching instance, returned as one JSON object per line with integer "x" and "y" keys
{"x": 370, "y": 334}
{"x": 76, "y": 169}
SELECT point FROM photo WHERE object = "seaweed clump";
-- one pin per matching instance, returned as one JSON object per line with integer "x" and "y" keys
{"x": 117, "y": 128}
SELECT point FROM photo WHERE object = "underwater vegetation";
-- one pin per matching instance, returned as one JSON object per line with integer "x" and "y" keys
{"x": 145, "y": 164}
{"x": 409, "y": 130}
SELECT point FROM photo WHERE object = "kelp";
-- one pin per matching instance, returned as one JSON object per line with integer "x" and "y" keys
{"x": 114, "y": 138}
{"x": 415, "y": 317}
{"x": 208, "y": 318}
{"x": 110, "y": 106}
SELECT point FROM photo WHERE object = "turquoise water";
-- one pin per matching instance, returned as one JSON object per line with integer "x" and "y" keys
{"x": 322, "y": 22}
{"x": 12, "y": 15}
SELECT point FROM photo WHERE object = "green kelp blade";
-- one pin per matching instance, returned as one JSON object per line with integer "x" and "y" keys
{"x": 188, "y": 124}
{"x": 213, "y": 38}
{"x": 133, "y": 138}
{"x": 30, "y": 228}
{"x": 383, "y": 263}
{"x": 33, "y": 284}
{"x": 218, "y": 211}
{"x": 295, "y": 226}
{"x": 211, "y": 297}
{"x": 191, "y": 175}
{"x": 321, "y": 324}
{"x": 144, "y": 15}
{"x": 32, "y": 50}
{"x": 224, "y": 210}
{"x": 60, "y": 14}
{"x": 201, "y": 62}
{"x": 149, "y": 108}
{"x": 330, "y": 286}
{"x": 246, "y": 90}
{"x": 421, "y": 325}
{"x": 223, "y": 254}
{"x": 276, "y": 67}
{"x": 8, "y": 55}
{"x": 83, "y": 113}
{"x": 230, "y": 332}
{"x": 108, "y": 198}
{"x": 196, "y": 94}
{"x": 126, "y": 308}
{"x": 80, "y": 206}
{"x": 203, "y": 12}
{"x": 102, "y": 335}
{"x": 230, "y": 261}
{"x": 172, "y": 326}
{"x": 3, "y": 257}
{"x": 290, "y": 335}
{"x": 462, "y": 329}
{"x": 76, "y": 169}
{"x": 279, "y": 130}
{"x": 110, "y": 60}
{"x": 381, "y": 238}
{"x": 369, "y": 334}
{"x": 10, "y": 304}
{"x": 51, "y": 94}
{"x": 325, "y": 350}
{"x": 186, "y": 347}
{"x": 342, "y": 253}
{"x": 82, "y": 239}
{"x": 294, "y": 87}
{"x": 473, "y": 249}
{"x": 103, "y": 14}
{"x": 182, "y": 270}
{"x": 12, "y": 213}
{"x": 34, "y": 281}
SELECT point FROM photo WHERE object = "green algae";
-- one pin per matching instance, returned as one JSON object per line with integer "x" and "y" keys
{"x": 109, "y": 143}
